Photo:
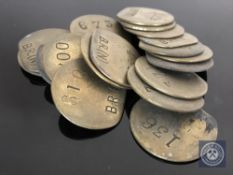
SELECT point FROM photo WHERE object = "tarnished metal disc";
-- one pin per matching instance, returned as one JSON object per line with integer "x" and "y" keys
{"x": 29, "y": 45}
{"x": 206, "y": 55}
{"x": 184, "y": 40}
{"x": 175, "y": 84}
{"x": 169, "y": 135}
{"x": 186, "y": 51}
{"x": 159, "y": 99}
{"x": 148, "y": 28}
{"x": 180, "y": 67}
{"x": 59, "y": 51}
{"x": 85, "y": 47}
{"x": 145, "y": 16}
{"x": 89, "y": 23}
{"x": 84, "y": 99}
{"x": 112, "y": 55}
{"x": 177, "y": 31}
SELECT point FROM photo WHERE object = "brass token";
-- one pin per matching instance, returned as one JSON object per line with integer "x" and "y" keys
{"x": 148, "y": 28}
{"x": 29, "y": 44}
{"x": 59, "y": 51}
{"x": 40, "y": 64}
{"x": 145, "y": 16}
{"x": 185, "y": 40}
{"x": 84, "y": 99}
{"x": 180, "y": 67}
{"x": 186, "y": 51}
{"x": 89, "y": 23}
{"x": 159, "y": 99}
{"x": 175, "y": 84}
{"x": 85, "y": 46}
{"x": 205, "y": 56}
{"x": 177, "y": 31}
{"x": 169, "y": 135}
{"x": 112, "y": 55}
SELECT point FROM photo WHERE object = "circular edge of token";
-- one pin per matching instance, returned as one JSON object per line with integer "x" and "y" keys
{"x": 174, "y": 95}
{"x": 92, "y": 66}
{"x": 69, "y": 118}
{"x": 133, "y": 132}
{"x": 202, "y": 101}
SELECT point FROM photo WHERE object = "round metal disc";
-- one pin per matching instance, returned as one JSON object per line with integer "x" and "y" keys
{"x": 29, "y": 45}
{"x": 84, "y": 99}
{"x": 89, "y": 23}
{"x": 40, "y": 64}
{"x": 21, "y": 63}
{"x": 59, "y": 51}
{"x": 145, "y": 16}
{"x": 148, "y": 28}
{"x": 169, "y": 135}
{"x": 85, "y": 46}
{"x": 175, "y": 84}
{"x": 177, "y": 31}
{"x": 206, "y": 55}
{"x": 186, "y": 51}
{"x": 180, "y": 67}
{"x": 112, "y": 55}
{"x": 159, "y": 99}
{"x": 184, "y": 40}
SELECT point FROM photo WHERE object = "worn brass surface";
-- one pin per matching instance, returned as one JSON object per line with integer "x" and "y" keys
{"x": 85, "y": 47}
{"x": 84, "y": 99}
{"x": 177, "y": 31}
{"x": 89, "y": 23}
{"x": 29, "y": 45}
{"x": 185, "y": 40}
{"x": 145, "y": 16}
{"x": 148, "y": 28}
{"x": 180, "y": 67}
{"x": 169, "y": 135}
{"x": 205, "y": 56}
{"x": 186, "y": 51}
{"x": 112, "y": 55}
{"x": 175, "y": 84}
{"x": 59, "y": 51}
{"x": 159, "y": 99}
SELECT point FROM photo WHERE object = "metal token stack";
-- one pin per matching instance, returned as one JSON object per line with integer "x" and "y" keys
{"x": 91, "y": 66}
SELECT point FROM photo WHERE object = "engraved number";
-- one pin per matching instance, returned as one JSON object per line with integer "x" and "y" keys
{"x": 62, "y": 55}
{"x": 108, "y": 23}
{"x": 72, "y": 87}
{"x": 175, "y": 137}
{"x": 97, "y": 24}
{"x": 160, "y": 131}
{"x": 69, "y": 99}
{"x": 82, "y": 25}
{"x": 150, "y": 122}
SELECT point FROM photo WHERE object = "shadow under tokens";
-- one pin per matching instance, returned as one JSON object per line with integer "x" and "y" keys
{"x": 131, "y": 99}
{"x": 48, "y": 95}
{"x": 75, "y": 132}
{"x": 35, "y": 80}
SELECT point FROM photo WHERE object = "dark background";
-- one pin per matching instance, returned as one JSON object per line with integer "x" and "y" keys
{"x": 35, "y": 140}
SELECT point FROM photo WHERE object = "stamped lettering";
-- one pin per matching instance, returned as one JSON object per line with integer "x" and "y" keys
{"x": 102, "y": 49}
{"x": 158, "y": 130}
{"x": 113, "y": 104}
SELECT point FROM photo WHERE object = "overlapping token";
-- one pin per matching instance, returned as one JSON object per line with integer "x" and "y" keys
{"x": 29, "y": 45}
{"x": 91, "y": 67}
{"x": 170, "y": 48}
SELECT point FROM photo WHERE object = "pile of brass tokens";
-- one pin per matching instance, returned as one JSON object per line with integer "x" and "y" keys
{"x": 91, "y": 66}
